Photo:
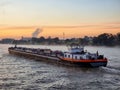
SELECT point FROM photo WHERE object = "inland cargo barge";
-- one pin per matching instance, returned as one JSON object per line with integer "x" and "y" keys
{"x": 76, "y": 56}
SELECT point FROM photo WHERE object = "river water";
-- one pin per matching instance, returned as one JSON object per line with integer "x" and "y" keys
{"x": 19, "y": 73}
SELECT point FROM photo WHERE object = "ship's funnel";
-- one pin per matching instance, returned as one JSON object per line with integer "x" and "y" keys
{"x": 36, "y": 33}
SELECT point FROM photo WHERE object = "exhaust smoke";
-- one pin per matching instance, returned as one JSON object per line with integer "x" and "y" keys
{"x": 36, "y": 33}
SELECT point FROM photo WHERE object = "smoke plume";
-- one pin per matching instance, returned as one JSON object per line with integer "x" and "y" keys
{"x": 36, "y": 32}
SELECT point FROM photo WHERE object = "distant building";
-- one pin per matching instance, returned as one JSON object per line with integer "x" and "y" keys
{"x": 88, "y": 38}
{"x": 7, "y": 41}
{"x": 26, "y": 39}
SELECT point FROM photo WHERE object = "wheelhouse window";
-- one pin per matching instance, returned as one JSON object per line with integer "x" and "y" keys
{"x": 75, "y": 57}
{"x": 80, "y": 57}
{"x": 65, "y": 55}
{"x": 68, "y": 56}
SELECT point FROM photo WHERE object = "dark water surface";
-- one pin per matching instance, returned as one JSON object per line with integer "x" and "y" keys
{"x": 18, "y": 73}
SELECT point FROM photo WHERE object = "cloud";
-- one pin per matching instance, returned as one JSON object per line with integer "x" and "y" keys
{"x": 113, "y": 23}
{"x": 2, "y": 7}
{"x": 111, "y": 27}
{"x": 17, "y": 27}
{"x": 79, "y": 26}
{"x": 3, "y": 4}
{"x": 3, "y": 27}
{"x": 97, "y": 26}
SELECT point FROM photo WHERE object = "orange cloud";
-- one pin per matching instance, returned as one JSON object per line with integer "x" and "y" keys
{"x": 57, "y": 31}
{"x": 17, "y": 27}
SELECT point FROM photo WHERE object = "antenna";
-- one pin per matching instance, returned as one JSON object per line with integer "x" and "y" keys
{"x": 63, "y": 36}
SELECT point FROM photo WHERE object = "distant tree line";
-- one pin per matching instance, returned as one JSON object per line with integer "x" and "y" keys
{"x": 105, "y": 39}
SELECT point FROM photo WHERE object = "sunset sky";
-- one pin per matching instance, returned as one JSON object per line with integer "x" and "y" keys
{"x": 76, "y": 18}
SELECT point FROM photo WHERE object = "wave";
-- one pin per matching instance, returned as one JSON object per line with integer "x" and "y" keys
{"x": 111, "y": 70}
{"x": 1, "y": 56}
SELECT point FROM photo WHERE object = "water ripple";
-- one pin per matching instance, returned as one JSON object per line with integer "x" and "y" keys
{"x": 19, "y": 73}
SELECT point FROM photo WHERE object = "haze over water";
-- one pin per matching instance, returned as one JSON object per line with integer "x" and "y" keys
{"x": 19, "y": 73}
